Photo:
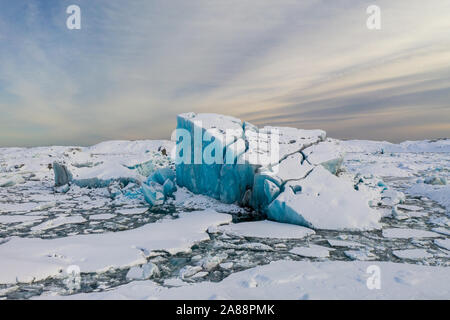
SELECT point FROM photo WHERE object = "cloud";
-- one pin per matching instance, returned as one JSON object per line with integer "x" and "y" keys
{"x": 132, "y": 68}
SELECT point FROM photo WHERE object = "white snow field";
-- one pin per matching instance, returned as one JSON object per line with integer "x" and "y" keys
{"x": 125, "y": 220}
{"x": 298, "y": 280}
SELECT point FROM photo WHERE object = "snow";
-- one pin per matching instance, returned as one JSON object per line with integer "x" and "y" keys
{"x": 400, "y": 233}
{"x": 440, "y": 145}
{"x": 325, "y": 202}
{"x": 297, "y": 280}
{"x": 28, "y": 259}
{"x": 328, "y": 190}
{"x": 267, "y": 229}
{"x": 105, "y": 161}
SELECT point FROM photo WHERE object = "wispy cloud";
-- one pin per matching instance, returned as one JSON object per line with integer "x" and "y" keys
{"x": 132, "y": 67}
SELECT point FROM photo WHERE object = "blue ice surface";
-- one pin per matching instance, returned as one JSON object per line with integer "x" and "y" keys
{"x": 159, "y": 186}
{"x": 169, "y": 188}
{"x": 279, "y": 211}
{"x": 153, "y": 193}
{"x": 224, "y": 180}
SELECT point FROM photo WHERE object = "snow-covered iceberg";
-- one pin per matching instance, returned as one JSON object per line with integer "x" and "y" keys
{"x": 289, "y": 174}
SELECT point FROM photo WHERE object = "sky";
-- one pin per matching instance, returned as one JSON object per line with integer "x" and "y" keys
{"x": 134, "y": 65}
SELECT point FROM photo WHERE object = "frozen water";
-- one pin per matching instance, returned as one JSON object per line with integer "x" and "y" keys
{"x": 110, "y": 231}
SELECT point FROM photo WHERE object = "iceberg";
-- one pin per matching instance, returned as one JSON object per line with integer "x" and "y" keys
{"x": 290, "y": 175}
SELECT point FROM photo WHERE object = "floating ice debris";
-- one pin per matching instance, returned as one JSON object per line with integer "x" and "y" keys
{"x": 400, "y": 233}
{"x": 153, "y": 193}
{"x": 412, "y": 254}
{"x": 361, "y": 255}
{"x": 11, "y": 180}
{"x": 62, "y": 174}
{"x": 143, "y": 272}
{"x": 434, "y": 180}
{"x": 267, "y": 229}
{"x": 312, "y": 251}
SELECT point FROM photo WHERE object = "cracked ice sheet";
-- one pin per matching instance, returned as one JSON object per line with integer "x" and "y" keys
{"x": 313, "y": 251}
{"x": 267, "y": 229}
{"x": 298, "y": 280}
{"x": 400, "y": 233}
{"x": 26, "y": 259}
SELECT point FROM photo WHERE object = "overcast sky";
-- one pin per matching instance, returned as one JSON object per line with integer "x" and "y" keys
{"x": 134, "y": 65}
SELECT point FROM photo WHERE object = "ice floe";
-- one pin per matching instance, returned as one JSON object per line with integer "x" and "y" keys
{"x": 400, "y": 233}
{"x": 267, "y": 229}
{"x": 312, "y": 251}
{"x": 27, "y": 259}
{"x": 413, "y": 254}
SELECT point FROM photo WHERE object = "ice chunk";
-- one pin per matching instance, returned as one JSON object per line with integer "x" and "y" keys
{"x": 391, "y": 197}
{"x": 343, "y": 243}
{"x": 443, "y": 243}
{"x": 325, "y": 202}
{"x": 271, "y": 190}
{"x": 312, "y": 251}
{"x": 361, "y": 255}
{"x": 10, "y": 181}
{"x": 267, "y": 229}
{"x": 143, "y": 272}
{"x": 169, "y": 188}
{"x": 153, "y": 193}
{"x": 434, "y": 180}
{"x": 399, "y": 233}
{"x": 62, "y": 174}
{"x": 412, "y": 254}
{"x": 161, "y": 175}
